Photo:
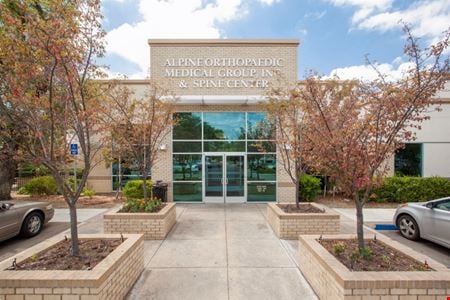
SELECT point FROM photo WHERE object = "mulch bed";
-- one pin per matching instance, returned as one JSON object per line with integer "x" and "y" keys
{"x": 96, "y": 201}
{"x": 383, "y": 258}
{"x": 302, "y": 209}
{"x": 342, "y": 202}
{"x": 58, "y": 257}
{"x": 143, "y": 211}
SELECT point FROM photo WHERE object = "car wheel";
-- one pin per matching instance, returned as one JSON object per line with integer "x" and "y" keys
{"x": 408, "y": 227}
{"x": 32, "y": 224}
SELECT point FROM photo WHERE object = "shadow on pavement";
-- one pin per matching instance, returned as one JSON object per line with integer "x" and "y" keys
{"x": 17, "y": 244}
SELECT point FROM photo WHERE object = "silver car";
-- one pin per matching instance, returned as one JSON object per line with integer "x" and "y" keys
{"x": 428, "y": 220}
{"x": 25, "y": 217}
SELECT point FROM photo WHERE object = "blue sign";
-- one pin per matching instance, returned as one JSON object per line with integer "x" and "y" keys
{"x": 74, "y": 149}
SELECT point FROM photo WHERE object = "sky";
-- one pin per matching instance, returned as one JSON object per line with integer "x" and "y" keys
{"x": 335, "y": 35}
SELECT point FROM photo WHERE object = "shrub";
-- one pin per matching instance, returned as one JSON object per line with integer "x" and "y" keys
{"x": 44, "y": 185}
{"x": 309, "y": 187}
{"x": 139, "y": 205}
{"x": 87, "y": 192}
{"x": 338, "y": 248}
{"x": 409, "y": 189}
{"x": 134, "y": 189}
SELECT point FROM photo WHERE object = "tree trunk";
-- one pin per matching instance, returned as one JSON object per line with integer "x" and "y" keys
{"x": 7, "y": 173}
{"x": 74, "y": 229}
{"x": 144, "y": 187}
{"x": 359, "y": 221}
{"x": 297, "y": 193}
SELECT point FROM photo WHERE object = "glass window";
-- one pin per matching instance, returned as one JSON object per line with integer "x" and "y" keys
{"x": 188, "y": 126}
{"x": 224, "y": 146}
{"x": 187, "y": 167}
{"x": 261, "y": 191}
{"x": 187, "y": 147}
{"x": 444, "y": 205}
{"x": 261, "y": 167}
{"x": 187, "y": 191}
{"x": 261, "y": 146}
{"x": 259, "y": 127}
{"x": 408, "y": 161}
{"x": 224, "y": 125}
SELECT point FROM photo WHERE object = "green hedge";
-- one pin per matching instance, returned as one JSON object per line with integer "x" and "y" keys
{"x": 134, "y": 189}
{"x": 44, "y": 185}
{"x": 309, "y": 187}
{"x": 411, "y": 189}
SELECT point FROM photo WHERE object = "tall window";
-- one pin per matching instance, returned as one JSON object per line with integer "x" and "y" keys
{"x": 408, "y": 161}
{"x": 247, "y": 132}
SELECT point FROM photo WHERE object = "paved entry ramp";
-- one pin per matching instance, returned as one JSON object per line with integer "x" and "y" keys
{"x": 218, "y": 251}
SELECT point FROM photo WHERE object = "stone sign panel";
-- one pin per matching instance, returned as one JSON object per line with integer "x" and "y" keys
{"x": 222, "y": 67}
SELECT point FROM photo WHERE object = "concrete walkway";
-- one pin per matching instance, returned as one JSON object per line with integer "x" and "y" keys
{"x": 221, "y": 252}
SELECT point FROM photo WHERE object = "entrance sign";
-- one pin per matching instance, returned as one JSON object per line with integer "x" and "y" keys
{"x": 222, "y": 67}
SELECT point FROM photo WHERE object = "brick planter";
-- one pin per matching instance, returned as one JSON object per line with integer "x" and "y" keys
{"x": 112, "y": 278}
{"x": 330, "y": 279}
{"x": 290, "y": 225}
{"x": 154, "y": 226}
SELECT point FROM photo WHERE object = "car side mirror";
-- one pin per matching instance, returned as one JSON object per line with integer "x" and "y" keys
{"x": 5, "y": 206}
{"x": 430, "y": 205}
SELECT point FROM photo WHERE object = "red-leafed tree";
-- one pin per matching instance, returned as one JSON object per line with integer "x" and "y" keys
{"x": 355, "y": 127}
{"x": 139, "y": 126}
{"x": 47, "y": 60}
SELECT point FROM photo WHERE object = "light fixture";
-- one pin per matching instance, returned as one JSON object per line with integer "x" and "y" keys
{"x": 163, "y": 147}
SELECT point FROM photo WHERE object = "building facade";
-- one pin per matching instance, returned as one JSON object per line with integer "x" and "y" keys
{"x": 222, "y": 147}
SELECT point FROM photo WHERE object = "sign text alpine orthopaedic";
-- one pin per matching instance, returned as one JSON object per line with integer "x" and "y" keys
{"x": 226, "y": 72}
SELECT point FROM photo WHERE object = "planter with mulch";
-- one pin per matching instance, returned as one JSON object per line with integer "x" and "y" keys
{"x": 107, "y": 268}
{"x": 154, "y": 226}
{"x": 288, "y": 223}
{"x": 336, "y": 270}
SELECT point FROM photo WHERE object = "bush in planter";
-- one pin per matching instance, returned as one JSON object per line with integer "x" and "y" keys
{"x": 87, "y": 192}
{"x": 139, "y": 205}
{"x": 407, "y": 189}
{"x": 309, "y": 187}
{"x": 134, "y": 189}
{"x": 44, "y": 185}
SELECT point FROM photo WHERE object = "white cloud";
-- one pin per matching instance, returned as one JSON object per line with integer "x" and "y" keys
{"x": 393, "y": 71}
{"x": 316, "y": 15}
{"x": 268, "y": 2}
{"x": 171, "y": 19}
{"x": 364, "y": 7}
{"x": 428, "y": 18}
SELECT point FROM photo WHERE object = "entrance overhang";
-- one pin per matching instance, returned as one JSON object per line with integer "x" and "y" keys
{"x": 221, "y": 100}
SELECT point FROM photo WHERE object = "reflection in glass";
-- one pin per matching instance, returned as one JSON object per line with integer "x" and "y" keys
{"x": 224, "y": 125}
{"x": 187, "y": 147}
{"x": 235, "y": 176}
{"x": 213, "y": 176}
{"x": 224, "y": 146}
{"x": 187, "y": 191}
{"x": 261, "y": 191}
{"x": 261, "y": 146}
{"x": 187, "y": 167}
{"x": 408, "y": 161}
{"x": 261, "y": 167}
{"x": 259, "y": 127}
{"x": 188, "y": 126}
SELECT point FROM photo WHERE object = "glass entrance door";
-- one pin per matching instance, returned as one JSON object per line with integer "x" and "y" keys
{"x": 224, "y": 178}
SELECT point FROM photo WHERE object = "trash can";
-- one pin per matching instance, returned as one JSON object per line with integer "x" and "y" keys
{"x": 159, "y": 190}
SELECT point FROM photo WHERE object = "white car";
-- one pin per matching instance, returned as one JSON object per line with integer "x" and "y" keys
{"x": 427, "y": 220}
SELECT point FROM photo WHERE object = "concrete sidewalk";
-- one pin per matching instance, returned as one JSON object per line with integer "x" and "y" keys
{"x": 220, "y": 252}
